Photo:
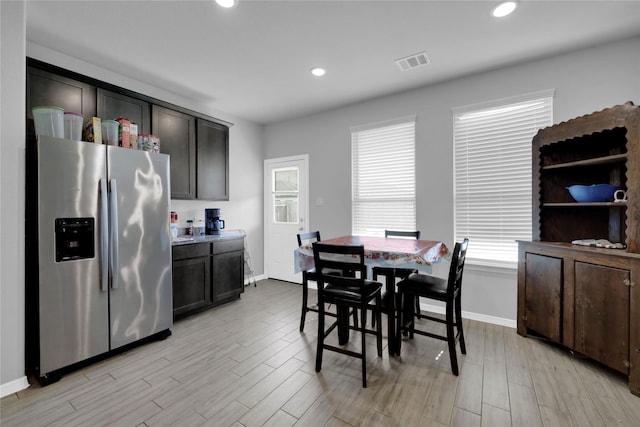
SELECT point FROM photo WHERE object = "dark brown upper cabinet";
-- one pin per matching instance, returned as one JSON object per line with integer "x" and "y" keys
{"x": 45, "y": 88}
{"x": 212, "y": 161}
{"x": 112, "y": 105}
{"x": 198, "y": 144}
{"x": 177, "y": 133}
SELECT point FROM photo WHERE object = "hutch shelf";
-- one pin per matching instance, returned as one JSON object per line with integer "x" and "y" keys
{"x": 585, "y": 298}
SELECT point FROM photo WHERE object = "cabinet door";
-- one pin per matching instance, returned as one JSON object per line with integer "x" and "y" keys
{"x": 543, "y": 295}
{"x": 228, "y": 276}
{"x": 112, "y": 105}
{"x": 177, "y": 133}
{"x": 213, "y": 161}
{"x": 44, "y": 88}
{"x": 602, "y": 314}
{"x": 191, "y": 285}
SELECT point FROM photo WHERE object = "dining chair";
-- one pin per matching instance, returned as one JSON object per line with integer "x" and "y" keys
{"x": 391, "y": 274}
{"x": 346, "y": 292}
{"x": 307, "y": 239}
{"x": 448, "y": 291}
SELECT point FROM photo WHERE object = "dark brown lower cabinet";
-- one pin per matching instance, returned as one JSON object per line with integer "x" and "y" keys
{"x": 228, "y": 270}
{"x": 207, "y": 274}
{"x": 543, "y": 299}
{"x": 191, "y": 278}
{"x": 587, "y": 299}
{"x": 602, "y": 314}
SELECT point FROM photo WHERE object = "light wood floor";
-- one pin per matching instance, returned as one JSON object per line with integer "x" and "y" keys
{"x": 246, "y": 364}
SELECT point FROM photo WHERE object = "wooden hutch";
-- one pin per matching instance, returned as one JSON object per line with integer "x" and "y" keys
{"x": 585, "y": 298}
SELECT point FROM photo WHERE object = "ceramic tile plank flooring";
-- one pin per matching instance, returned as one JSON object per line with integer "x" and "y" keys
{"x": 246, "y": 364}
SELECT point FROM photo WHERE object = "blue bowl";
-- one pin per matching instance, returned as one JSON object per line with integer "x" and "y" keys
{"x": 593, "y": 193}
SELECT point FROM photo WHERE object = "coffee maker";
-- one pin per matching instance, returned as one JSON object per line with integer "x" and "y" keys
{"x": 212, "y": 223}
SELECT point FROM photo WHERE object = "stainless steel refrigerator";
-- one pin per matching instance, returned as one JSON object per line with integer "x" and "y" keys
{"x": 98, "y": 254}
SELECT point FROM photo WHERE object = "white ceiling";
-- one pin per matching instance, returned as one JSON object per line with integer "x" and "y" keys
{"x": 253, "y": 61}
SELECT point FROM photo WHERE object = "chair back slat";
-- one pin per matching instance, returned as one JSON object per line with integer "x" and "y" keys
{"x": 457, "y": 266}
{"x": 310, "y": 237}
{"x": 340, "y": 257}
{"x": 397, "y": 233}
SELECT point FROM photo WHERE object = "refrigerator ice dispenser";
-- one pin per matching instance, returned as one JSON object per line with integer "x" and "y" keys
{"x": 74, "y": 239}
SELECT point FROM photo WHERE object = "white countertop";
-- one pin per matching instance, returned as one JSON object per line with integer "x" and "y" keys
{"x": 203, "y": 238}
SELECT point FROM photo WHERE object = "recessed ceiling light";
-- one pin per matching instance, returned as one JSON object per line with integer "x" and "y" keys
{"x": 504, "y": 9}
{"x": 317, "y": 71}
{"x": 227, "y": 3}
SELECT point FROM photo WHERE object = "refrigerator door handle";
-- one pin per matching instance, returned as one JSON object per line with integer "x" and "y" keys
{"x": 104, "y": 236}
{"x": 115, "y": 250}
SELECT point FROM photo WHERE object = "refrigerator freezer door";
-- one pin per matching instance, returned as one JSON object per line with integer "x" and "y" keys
{"x": 141, "y": 304}
{"x": 73, "y": 310}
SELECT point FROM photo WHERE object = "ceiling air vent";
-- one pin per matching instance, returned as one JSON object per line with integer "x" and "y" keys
{"x": 413, "y": 61}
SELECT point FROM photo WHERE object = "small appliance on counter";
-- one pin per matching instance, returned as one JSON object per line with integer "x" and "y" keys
{"x": 212, "y": 222}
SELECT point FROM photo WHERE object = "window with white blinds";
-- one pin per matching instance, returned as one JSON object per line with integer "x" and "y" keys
{"x": 492, "y": 176}
{"x": 383, "y": 177}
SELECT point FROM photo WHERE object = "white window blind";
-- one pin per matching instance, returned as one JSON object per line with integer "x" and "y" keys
{"x": 383, "y": 177}
{"x": 492, "y": 150}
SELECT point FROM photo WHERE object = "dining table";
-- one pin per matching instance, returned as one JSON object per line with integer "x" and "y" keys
{"x": 388, "y": 252}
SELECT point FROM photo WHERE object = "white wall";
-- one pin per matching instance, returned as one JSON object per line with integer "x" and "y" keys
{"x": 584, "y": 81}
{"x": 12, "y": 160}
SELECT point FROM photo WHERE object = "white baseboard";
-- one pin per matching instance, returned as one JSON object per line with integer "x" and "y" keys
{"x": 465, "y": 314}
{"x": 509, "y": 323}
{"x": 13, "y": 386}
{"x": 473, "y": 316}
{"x": 253, "y": 279}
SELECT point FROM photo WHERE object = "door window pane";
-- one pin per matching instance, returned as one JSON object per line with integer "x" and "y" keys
{"x": 285, "y": 194}
{"x": 285, "y": 179}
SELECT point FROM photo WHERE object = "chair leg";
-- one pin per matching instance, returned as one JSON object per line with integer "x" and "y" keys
{"x": 408, "y": 309}
{"x": 399, "y": 321}
{"x": 363, "y": 310}
{"x": 320, "y": 346}
{"x": 392, "y": 332}
{"x": 387, "y": 279}
{"x": 364, "y": 317}
{"x": 451, "y": 338}
{"x": 305, "y": 296}
{"x": 418, "y": 315}
{"x": 379, "y": 324}
{"x": 373, "y": 321}
{"x": 463, "y": 347}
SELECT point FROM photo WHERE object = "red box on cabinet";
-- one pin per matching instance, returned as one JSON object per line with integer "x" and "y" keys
{"x": 124, "y": 132}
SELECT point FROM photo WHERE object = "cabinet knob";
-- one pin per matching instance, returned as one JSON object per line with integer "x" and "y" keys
{"x": 629, "y": 283}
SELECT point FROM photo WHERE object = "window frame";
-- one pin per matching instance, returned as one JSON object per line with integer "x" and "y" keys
{"x": 508, "y": 257}
{"x": 373, "y": 134}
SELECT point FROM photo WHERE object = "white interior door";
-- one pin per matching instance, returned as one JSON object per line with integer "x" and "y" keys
{"x": 286, "y": 184}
